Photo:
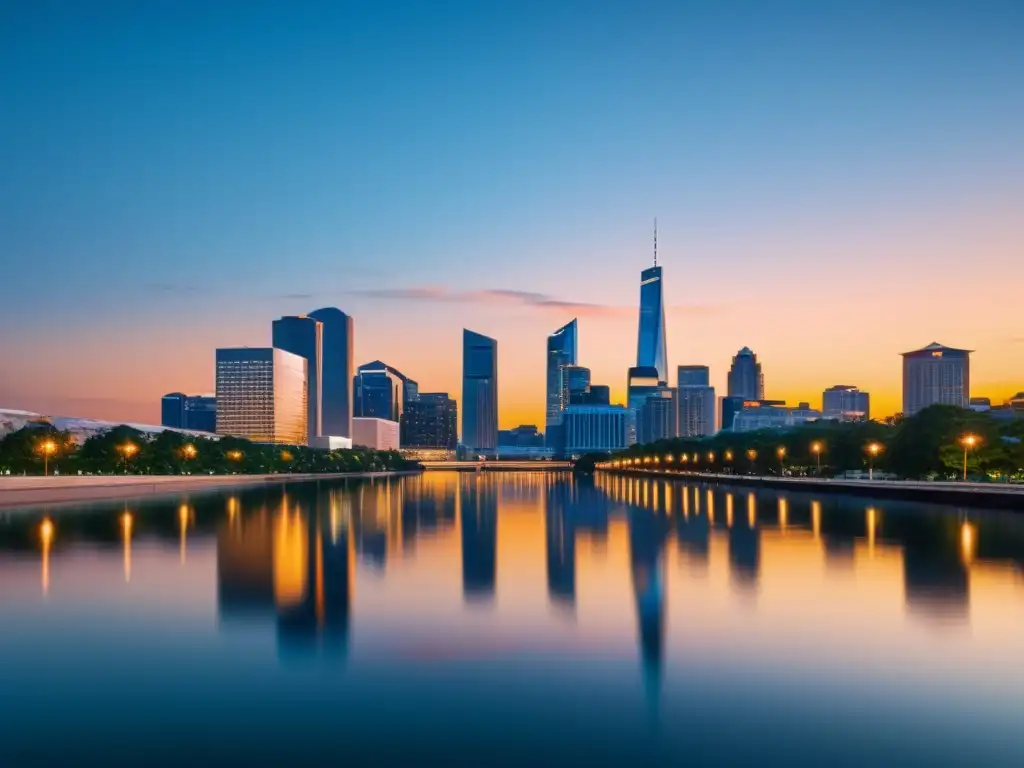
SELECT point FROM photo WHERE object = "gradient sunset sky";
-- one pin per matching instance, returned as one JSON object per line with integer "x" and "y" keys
{"x": 834, "y": 182}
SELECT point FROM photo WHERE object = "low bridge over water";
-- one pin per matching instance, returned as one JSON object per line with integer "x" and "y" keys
{"x": 496, "y": 466}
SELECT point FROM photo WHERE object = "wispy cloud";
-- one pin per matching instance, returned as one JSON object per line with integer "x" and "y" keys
{"x": 487, "y": 295}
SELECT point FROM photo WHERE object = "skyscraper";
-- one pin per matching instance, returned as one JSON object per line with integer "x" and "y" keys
{"x": 695, "y": 399}
{"x": 845, "y": 403}
{"x": 562, "y": 352}
{"x": 936, "y": 375}
{"x": 640, "y": 383}
{"x": 337, "y": 371}
{"x": 181, "y": 411}
{"x": 381, "y": 392}
{"x": 430, "y": 421}
{"x": 745, "y": 377}
{"x": 650, "y": 345}
{"x": 303, "y": 336}
{"x": 479, "y": 392}
{"x": 261, "y": 395}
{"x": 693, "y": 376}
{"x": 657, "y": 418}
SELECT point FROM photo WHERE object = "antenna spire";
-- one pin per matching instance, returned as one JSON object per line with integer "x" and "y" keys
{"x": 655, "y": 241}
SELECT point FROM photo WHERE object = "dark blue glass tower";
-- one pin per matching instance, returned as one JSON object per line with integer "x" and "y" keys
{"x": 336, "y": 372}
{"x": 303, "y": 336}
{"x": 479, "y": 392}
{"x": 562, "y": 352}
{"x": 381, "y": 392}
{"x": 650, "y": 345}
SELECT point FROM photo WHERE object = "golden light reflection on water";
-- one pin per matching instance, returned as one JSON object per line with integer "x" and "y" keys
{"x": 531, "y": 546}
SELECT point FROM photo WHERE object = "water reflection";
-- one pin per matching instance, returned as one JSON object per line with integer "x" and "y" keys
{"x": 619, "y": 586}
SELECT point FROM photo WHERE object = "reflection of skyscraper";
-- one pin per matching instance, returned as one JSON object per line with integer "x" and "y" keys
{"x": 561, "y": 543}
{"x": 651, "y": 345}
{"x": 479, "y": 392}
{"x": 562, "y": 352}
{"x": 336, "y": 388}
{"x": 646, "y": 548}
{"x": 745, "y": 546}
{"x": 478, "y": 517}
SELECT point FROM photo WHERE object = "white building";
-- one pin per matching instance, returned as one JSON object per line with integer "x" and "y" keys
{"x": 81, "y": 429}
{"x": 379, "y": 434}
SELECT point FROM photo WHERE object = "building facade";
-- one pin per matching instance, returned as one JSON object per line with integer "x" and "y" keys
{"x": 657, "y": 418}
{"x": 594, "y": 429}
{"x": 336, "y": 372}
{"x": 378, "y": 434}
{"x": 381, "y": 392}
{"x": 261, "y": 395}
{"x": 192, "y": 412}
{"x": 695, "y": 414}
{"x": 304, "y": 336}
{"x": 745, "y": 377}
{"x": 845, "y": 403}
{"x": 430, "y": 421}
{"x": 641, "y": 382}
{"x": 936, "y": 375}
{"x": 562, "y": 351}
{"x": 479, "y": 392}
{"x": 756, "y": 415}
{"x": 693, "y": 376}
{"x": 651, "y": 343}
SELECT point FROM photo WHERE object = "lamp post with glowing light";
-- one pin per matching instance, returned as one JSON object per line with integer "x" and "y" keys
{"x": 127, "y": 451}
{"x": 816, "y": 448}
{"x": 873, "y": 450}
{"x": 781, "y": 453}
{"x": 968, "y": 442}
{"x": 752, "y": 455}
{"x": 47, "y": 448}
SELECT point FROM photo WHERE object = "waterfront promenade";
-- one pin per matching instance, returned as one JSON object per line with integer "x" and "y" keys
{"x": 77, "y": 489}
{"x": 997, "y": 495}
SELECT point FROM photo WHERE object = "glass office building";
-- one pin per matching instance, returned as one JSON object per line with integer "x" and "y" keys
{"x": 303, "y": 336}
{"x": 430, "y": 421}
{"x": 745, "y": 377}
{"x": 640, "y": 384}
{"x": 261, "y": 395}
{"x": 936, "y": 375}
{"x": 561, "y": 352}
{"x": 845, "y": 403}
{"x": 194, "y": 412}
{"x": 381, "y": 392}
{"x": 595, "y": 428}
{"x": 479, "y": 392}
{"x": 651, "y": 344}
{"x": 337, "y": 372}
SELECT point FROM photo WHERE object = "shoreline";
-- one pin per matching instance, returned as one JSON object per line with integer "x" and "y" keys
{"x": 33, "y": 491}
{"x": 988, "y": 495}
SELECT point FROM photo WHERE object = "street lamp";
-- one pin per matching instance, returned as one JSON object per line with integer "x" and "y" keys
{"x": 873, "y": 450}
{"x": 189, "y": 451}
{"x": 968, "y": 442}
{"x": 47, "y": 448}
{"x": 781, "y": 453}
{"x": 816, "y": 448}
{"x": 127, "y": 451}
{"x": 752, "y": 455}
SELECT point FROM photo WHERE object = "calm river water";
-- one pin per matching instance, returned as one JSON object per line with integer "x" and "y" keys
{"x": 512, "y": 619}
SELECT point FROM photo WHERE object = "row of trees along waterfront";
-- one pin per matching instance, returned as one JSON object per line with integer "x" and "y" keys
{"x": 940, "y": 442}
{"x": 40, "y": 448}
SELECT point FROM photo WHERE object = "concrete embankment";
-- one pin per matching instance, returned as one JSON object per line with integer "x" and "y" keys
{"x": 80, "y": 489}
{"x": 994, "y": 495}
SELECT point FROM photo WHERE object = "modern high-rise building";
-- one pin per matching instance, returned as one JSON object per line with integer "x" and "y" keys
{"x": 336, "y": 372}
{"x": 381, "y": 392}
{"x": 261, "y": 395}
{"x": 695, "y": 401}
{"x": 845, "y": 403}
{"x": 479, "y": 392}
{"x": 657, "y": 417}
{"x": 936, "y": 375}
{"x": 693, "y": 376}
{"x": 304, "y": 336}
{"x": 651, "y": 344}
{"x": 745, "y": 377}
{"x": 194, "y": 412}
{"x": 575, "y": 381}
{"x": 594, "y": 429}
{"x": 430, "y": 421}
{"x": 640, "y": 383}
{"x": 596, "y": 394}
{"x": 562, "y": 352}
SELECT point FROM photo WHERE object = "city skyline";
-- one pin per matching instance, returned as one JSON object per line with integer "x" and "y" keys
{"x": 842, "y": 179}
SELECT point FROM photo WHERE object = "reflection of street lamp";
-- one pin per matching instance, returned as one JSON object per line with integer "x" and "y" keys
{"x": 873, "y": 450}
{"x": 127, "y": 450}
{"x": 968, "y": 442}
{"x": 46, "y": 535}
{"x": 47, "y": 448}
{"x": 816, "y": 447}
{"x": 752, "y": 455}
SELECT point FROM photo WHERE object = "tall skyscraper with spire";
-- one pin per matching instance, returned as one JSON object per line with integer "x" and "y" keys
{"x": 562, "y": 352}
{"x": 650, "y": 345}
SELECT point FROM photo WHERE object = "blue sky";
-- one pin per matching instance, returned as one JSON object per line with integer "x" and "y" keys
{"x": 199, "y": 165}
